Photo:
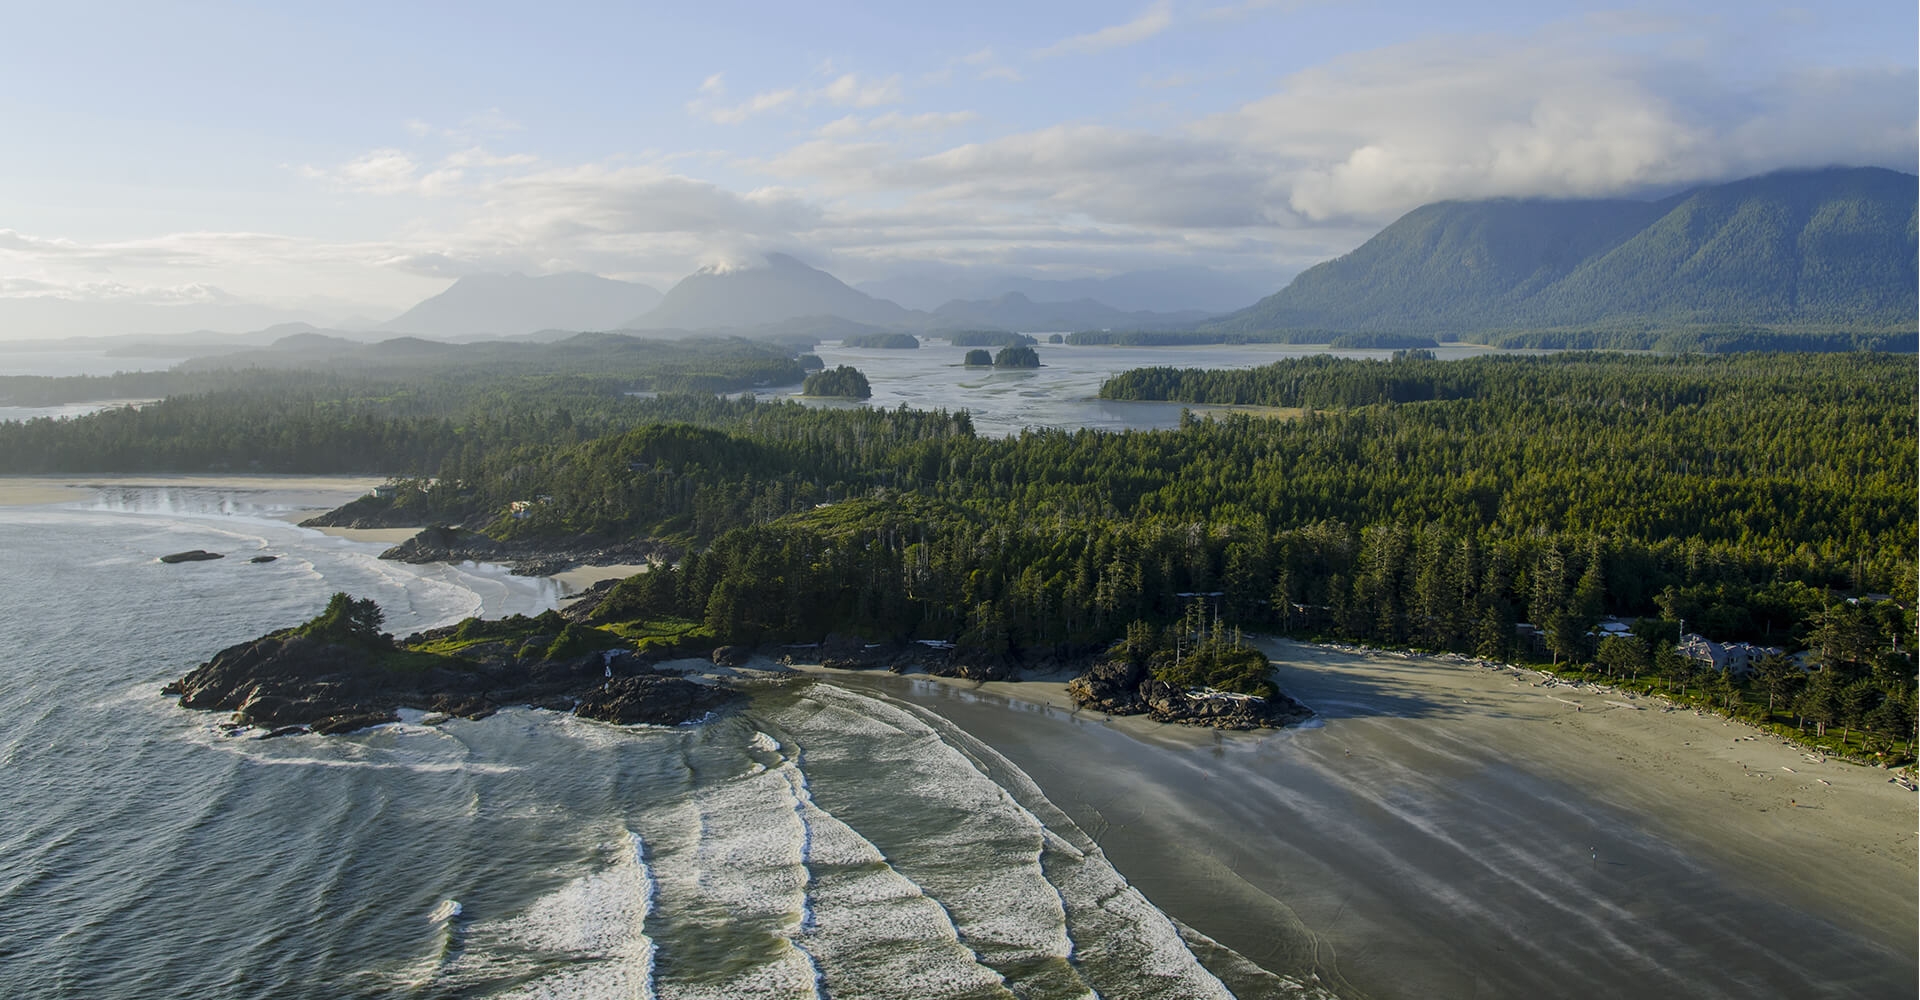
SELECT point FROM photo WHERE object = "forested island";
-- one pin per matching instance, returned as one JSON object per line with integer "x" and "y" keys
{"x": 1503, "y": 506}
{"x": 1017, "y": 356}
{"x": 842, "y": 381}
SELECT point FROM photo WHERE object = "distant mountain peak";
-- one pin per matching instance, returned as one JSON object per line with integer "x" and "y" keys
{"x": 1831, "y": 246}
{"x": 516, "y": 304}
{"x": 722, "y": 297}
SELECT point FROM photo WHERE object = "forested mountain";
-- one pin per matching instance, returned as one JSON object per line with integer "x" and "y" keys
{"x": 749, "y": 297}
{"x": 509, "y": 305}
{"x": 1832, "y": 248}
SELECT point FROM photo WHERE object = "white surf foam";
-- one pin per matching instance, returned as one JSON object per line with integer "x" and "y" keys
{"x": 952, "y": 833}
{"x": 871, "y": 930}
{"x": 730, "y": 862}
{"x": 595, "y": 924}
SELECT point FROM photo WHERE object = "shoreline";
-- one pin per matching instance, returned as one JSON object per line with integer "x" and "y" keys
{"x": 303, "y": 494}
{"x": 1639, "y": 849}
{"x": 35, "y": 490}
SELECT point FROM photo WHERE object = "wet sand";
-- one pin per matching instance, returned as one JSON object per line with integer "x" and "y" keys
{"x": 315, "y": 492}
{"x": 1449, "y": 830}
{"x": 579, "y": 578}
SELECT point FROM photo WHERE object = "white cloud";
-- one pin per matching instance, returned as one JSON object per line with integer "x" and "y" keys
{"x": 1377, "y": 134}
{"x": 892, "y": 121}
{"x": 1304, "y": 172}
{"x": 1151, "y": 22}
{"x": 848, "y": 91}
{"x": 845, "y": 90}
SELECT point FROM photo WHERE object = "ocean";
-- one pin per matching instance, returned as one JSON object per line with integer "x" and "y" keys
{"x": 1443, "y": 834}
{"x": 824, "y": 841}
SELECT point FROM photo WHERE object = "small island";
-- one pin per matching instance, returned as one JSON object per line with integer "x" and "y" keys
{"x": 1018, "y": 356}
{"x": 889, "y": 341}
{"x": 843, "y": 382}
{"x": 339, "y": 672}
{"x": 978, "y": 358}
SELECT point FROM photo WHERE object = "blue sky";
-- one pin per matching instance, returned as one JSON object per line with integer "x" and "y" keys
{"x": 356, "y": 157}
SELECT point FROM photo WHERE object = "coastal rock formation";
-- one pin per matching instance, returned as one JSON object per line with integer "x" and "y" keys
{"x": 732, "y": 656}
{"x": 1119, "y": 687}
{"x": 941, "y": 659}
{"x": 1111, "y": 686}
{"x": 191, "y": 555}
{"x": 286, "y": 679}
{"x": 529, "y": 557}
{"x": 651, "y": 699}
{"x": 369, "y": 511}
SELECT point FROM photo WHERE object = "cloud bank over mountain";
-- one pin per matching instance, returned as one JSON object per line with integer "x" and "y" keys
{"x": 1065, "y": 144}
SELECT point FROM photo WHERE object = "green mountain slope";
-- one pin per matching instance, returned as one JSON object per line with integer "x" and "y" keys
{"x": 1833, "y": 248}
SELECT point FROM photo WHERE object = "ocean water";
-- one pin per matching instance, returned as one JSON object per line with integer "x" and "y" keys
{"x": 821, "y": 841}
{"x": 1064, "y": 392}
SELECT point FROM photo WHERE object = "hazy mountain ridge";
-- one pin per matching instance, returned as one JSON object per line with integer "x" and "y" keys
{"x": 508, "y": 305}
{"x": 786, "y": 295}
{"x": 1832, "y": 247}
{"x": 782, "y": 290}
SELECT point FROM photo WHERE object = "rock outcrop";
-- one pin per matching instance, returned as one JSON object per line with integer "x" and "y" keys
{"x": 651, "y": 699}
{"x": 285, "y": 679}
{"x": 369, "y": 512}
{"x": 843, "y": 652}
{"x": 528, "y": 557}
{"x": 191, "y": 555}
{"x": 1118, "y": 687}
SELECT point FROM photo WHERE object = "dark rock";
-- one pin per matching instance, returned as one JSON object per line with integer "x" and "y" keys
{"x": 580, "y": 607}
{"x": 441, "y": 543}
{"x": 283, "y": 680}
{"x": 368, "y": 512}
{"x": 191, "y": 555}
{"x": 1111, "y": 686}
{"x": 283, "y": 731}
{"x": 1121, "y": 688}
{"x": 732, "y": 656}
{"x": 652, "y": 699}
{"x": 526, "y": 557}
{"x": 351, "y": 721}
{"x": 263, "y": 559}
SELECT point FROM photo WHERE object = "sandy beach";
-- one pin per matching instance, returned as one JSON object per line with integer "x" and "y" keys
{"x": 315, "y": 492}
{"x": 1450, "y": 830}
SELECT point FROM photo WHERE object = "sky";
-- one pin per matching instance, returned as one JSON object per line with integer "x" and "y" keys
{"x": 349, "y": 159}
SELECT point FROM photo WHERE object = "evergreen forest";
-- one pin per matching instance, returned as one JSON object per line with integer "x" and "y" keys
{"x": 1766, "y": 498}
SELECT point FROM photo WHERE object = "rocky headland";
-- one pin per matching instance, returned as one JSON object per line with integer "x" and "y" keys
{"x": 336, "y": 684}
{"x": 526, "y": 557}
